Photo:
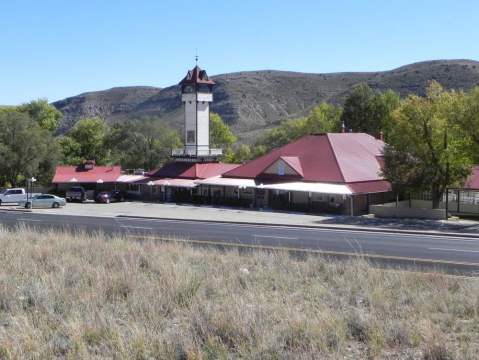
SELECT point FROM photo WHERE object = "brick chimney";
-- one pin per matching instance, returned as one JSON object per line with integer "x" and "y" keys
{"x": 89, "y": 164}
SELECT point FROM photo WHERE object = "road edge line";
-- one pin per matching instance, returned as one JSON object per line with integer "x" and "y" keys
{"x": 413, "y": 261}
{"x": 328, "y": 227}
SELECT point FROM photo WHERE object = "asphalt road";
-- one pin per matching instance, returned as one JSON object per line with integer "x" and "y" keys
{"x": 448, "y": 252}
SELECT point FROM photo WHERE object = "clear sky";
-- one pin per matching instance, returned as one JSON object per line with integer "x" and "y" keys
{"x": 59, "y": 48}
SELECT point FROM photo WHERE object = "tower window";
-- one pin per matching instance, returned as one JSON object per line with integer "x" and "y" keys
{"x": 190, "y": 136}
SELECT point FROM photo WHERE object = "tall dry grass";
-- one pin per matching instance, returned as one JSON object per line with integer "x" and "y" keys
{"x": 84, "y": 296}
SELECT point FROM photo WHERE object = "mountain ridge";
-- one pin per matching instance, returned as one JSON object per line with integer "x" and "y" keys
{"x": 251, "y": 101}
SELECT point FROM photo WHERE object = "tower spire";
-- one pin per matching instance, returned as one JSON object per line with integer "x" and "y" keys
{"x": 196, "y": 56}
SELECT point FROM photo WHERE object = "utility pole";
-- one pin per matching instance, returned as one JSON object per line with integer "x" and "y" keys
{"x": 447, "y": 175}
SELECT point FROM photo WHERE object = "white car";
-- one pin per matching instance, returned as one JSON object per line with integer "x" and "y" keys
{"x": 44, "y": 201}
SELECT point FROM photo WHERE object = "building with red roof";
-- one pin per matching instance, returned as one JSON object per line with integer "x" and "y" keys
{"x": 177, "y": 180}
{"x": 86, "y": 173}
{"x": 193, "y": 171}
{"x": 327, "y": 172}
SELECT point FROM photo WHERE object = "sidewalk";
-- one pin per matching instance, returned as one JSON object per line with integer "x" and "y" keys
{"x": 209, "y": 213}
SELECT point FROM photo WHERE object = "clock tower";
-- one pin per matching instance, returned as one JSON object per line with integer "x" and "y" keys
{"x": 196, "y": 96}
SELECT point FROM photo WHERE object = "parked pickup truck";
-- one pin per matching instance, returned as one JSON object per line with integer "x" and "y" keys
{"x": 76, "y": 193}
{"x": 14, "y": 196}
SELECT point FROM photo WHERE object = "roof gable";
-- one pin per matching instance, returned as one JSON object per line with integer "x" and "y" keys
{"x": 294, "y": 162}
{"x": 284, "y": 166}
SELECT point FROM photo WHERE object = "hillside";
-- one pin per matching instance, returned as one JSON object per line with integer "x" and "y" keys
{"x": 255, "y": 100}
{"x": 107, "y": 103}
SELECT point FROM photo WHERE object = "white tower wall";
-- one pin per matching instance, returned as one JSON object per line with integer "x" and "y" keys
{"x": 203, "y": 116}
{"x": 197, "y": 123}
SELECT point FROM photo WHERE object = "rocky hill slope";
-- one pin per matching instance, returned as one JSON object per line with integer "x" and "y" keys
{"x": 255, "y": 100}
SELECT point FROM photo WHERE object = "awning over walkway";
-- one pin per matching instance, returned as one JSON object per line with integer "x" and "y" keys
{"x": 182, "y": 183}
{"x": 312, "y": 187}
{"x": 129, "y": 178}
{"x": 220, "y": 181}
{"x": 323, "y": 188}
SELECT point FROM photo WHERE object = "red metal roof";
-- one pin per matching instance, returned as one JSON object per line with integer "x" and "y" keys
{"x": 78, "y": 174}
{"x": 196, "y": 76}
{"x": 334, "y": 157}
{"x": 187, "y": 170}
{"x": 295, "y": 164}
{"x": 472, "y": 181}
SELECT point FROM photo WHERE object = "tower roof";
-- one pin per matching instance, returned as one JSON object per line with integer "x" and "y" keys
{"x": 196, "y": 76}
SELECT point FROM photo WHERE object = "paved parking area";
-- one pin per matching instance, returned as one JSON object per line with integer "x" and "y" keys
{"x": 187, "y": 212}
{"x": 191, "y": 212}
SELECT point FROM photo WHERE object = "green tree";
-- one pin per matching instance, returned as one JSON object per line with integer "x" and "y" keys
{"x": 288, "y": 131}
{"x": 469, "y": 120}
{"x": 86, "y": 141}
{"x": 242, "y": 154}
{"x": 25, "y": 149}
{"x": 368, "y": 111}
{"x": 220, "y": 133}
{"x": 46, "y": 115}
{"x": 322, "y": 118}
{"x": 426, "y": 149}
{"x": 144, "y": 143}
{"x": 70, "y": 150}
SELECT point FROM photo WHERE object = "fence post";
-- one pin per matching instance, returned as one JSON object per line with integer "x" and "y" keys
{"x": 458, "y": 201}
{"x": 447, "y": 203}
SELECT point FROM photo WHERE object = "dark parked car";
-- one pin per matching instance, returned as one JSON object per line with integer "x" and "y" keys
{"x": 76, "y": 193}
{"x": 109, "y": 196}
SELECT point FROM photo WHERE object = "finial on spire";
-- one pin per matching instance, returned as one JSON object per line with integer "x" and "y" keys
{"x": 196, "y": 56}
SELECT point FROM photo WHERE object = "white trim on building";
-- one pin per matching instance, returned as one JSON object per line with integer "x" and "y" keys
{"x": 313, "y": 187}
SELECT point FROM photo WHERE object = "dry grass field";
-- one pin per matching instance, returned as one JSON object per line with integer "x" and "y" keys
{"x": 80, "y": 297}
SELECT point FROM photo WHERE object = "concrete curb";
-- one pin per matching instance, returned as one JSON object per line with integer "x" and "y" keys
{"x": 328, "y": 227}
{"x": 17, "y": 210}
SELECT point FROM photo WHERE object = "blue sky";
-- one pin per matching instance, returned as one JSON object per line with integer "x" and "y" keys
{"x": 56, "y": 48}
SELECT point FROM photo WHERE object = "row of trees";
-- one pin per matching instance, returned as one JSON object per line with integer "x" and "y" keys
{"x": 134, "y": 144}
{"x": 30, "y": 147}
{"x": 143, "y": 143}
